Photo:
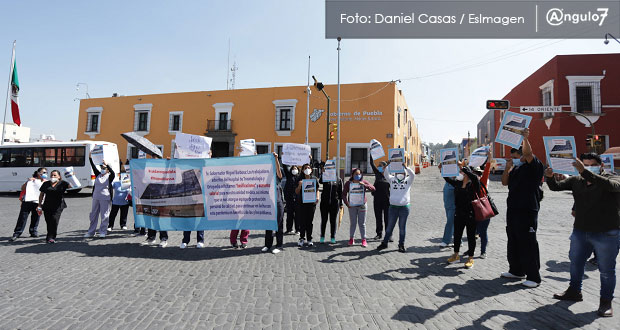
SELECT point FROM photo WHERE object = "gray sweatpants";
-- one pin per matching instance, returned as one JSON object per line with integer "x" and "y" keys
{"x": 357, "y": 215}
{"x": 101, "y": 208}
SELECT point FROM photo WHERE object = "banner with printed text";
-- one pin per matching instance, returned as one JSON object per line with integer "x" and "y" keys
{"x": 205, "y": 194}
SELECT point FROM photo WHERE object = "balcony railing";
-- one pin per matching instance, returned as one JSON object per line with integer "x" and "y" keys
{"x": 219, "y": 125}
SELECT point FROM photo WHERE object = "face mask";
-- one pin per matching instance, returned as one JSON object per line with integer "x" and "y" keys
{"x": 517, "y": 162}
{"x": 380, "y": 169}
{"x": 459, "y": 177}
{"x": 295, "y": 171}
{"x": 307, "y": 171}
{"x": 44, "y": 175}
{"x": 593, "y": 169}
{"x": 357, "y": 177}
{"x": 54, "y": 180}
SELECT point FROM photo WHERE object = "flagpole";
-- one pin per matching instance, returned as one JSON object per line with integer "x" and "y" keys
{"x": 8, "y": 90}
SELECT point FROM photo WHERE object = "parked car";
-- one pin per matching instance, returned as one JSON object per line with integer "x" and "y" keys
{"x": 498, "y": 165}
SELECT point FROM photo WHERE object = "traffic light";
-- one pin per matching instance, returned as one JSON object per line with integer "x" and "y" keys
{"x": 333, "y": 128}
{"x": 597, "y": 141}
{"x": 588, "y": 141}
{"x": 498, "y": 104}
{"x": 332, "y": 135}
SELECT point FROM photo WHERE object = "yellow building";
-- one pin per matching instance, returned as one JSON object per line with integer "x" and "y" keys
{"x": 272, "y": 116}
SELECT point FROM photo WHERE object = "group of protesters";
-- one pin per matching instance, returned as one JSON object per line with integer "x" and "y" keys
{"x": 596, "y": 209}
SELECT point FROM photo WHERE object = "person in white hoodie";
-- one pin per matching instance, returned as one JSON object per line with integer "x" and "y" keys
{"x": 400, "y": 197}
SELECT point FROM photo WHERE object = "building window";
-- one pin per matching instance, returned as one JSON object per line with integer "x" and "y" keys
{"x": 175, "y": 122}
{"x": 584, "y": 98}
{"x": 262, "y": 149}
{"x": 133, "y": 152}
{"x": 585, "y": 93}
{"x": 398, "y": 120}
{"x": 285, "y": 119}
{"x": 93, "y": 122}
{"x": 222, "y": 123}
{"x": 142, "y": 118}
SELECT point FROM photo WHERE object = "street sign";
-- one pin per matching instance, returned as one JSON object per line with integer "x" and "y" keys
{"x": 541, "y": 108}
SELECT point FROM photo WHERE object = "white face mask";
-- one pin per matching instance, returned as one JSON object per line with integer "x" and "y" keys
{"x": 54, "y": 180}
{"x": 295, "y": 171}
{"x": 460, "y": 177}
{"x": 400, "y": 177}
{"x": 307, "y": 171}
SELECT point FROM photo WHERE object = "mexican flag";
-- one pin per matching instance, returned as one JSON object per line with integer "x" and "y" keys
{"x": 14, "y": 95}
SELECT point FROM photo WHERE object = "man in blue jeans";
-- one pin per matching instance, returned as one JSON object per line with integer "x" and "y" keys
{"x": 596, "y": 227}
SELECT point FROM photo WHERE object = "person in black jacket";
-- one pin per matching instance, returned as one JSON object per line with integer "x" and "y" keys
{"x": 466, "y": 185}
{"x": 52, "y": 203}
{"x": 381, "y": 201}
{"x": 102, "y": 199}
{"x": 331, "y": 204}
{"x": 290, "y": 197}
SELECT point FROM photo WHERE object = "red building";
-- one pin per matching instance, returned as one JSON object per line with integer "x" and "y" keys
{"x": 588, "y": 84}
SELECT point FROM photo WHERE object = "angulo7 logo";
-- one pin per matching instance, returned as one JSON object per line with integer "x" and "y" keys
{"x": 557, "y": 16}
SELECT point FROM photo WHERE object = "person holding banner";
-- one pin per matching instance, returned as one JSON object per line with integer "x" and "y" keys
{"x": 400, "y": 197}
{"x": 29, "y": 204}
{"x": 596, "y": 227}
{"x": 331, "y": 204}
{"x": 355, "y": 199}
{"x": 523, "y": 176}
{"x": 290, "y": 197}
{"x": 119, "y": 202}
{"x": 307, "y": 200}
{"x": 102, "y": 199}
{"x": 280, "y": 215}
{"x": 381, "y": 201}
{"x": 52, "y": 192}
{"x": 450, "y": 208}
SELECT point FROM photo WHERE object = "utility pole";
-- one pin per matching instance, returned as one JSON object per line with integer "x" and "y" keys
{"x": 321, "y": 88}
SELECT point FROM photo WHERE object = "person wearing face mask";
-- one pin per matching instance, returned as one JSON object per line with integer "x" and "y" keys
{"x": 103, "y": 193}
{"x": 331, "y": 204}
{"x": 279, "y": 215}
{"x": 400, "y": 197}
{"x": 450, "y": 209}
{"x": 290, "y": 197}
{"x": 306, "y": 210}
{"x": 381, "y": 200}
{"x": 29, "y": 205}
{"x": 523, "y": 176}
{"x": 52, "y": 192}
{"x": 357, "y": 213}
{"x": 596, "y": 227}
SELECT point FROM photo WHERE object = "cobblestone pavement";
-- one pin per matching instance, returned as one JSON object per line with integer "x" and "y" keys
{"x": 114, "y": 283}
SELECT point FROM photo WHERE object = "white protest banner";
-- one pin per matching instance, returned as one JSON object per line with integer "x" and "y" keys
{"x": 329, "y": 174}
{"x": 70, "y": 177}
{"x": 561, "y": 153}
{"x": 192, "y": 146}
{"x": 248, "y": 147}
{"x": 295, "y": 154}
{"x": 97, "y": 154}
{"x": 608, "y": 162}
{"x": 478, "y": 157}
{"x": 308, "y": 190}
{"x": 32, "y": 190}
{"x": 376, "y": 149}
{"x": 448, "y": 159}
{"x": 396, "y": 157}
{"x": 356, "y": 194}
{"x": 511, "y": 129}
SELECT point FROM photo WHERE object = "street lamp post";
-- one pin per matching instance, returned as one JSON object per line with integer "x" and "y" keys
{"x": 77, "y": 88}
{"x": 319, "y": 86}
{"x": 338, "y": 119}
{"x": 607, "y": 40}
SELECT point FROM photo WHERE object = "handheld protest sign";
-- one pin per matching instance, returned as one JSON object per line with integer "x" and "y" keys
{"x": 308, "y": 193}
{"x": 448, "y": 159}
{"x": 511, "y": 129}
{"x": 376, "y": 149}
{"x": 396, "y": 157}
{"x": 329, "y": 174}
{"x": 561, "y": 154}
{"x": 295, "y": 154}
{"x": 356, "y": 194}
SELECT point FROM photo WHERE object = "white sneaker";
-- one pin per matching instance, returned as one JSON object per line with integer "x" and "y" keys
{"x": 443, "y": 245}
{"x": 509, "y": 275}
{"x": 124, "y": 227}
{"x": 276, "y": 251}
{"x": 88, "y": 235}
{"x": 310, "y": 243}
{"x": 183, "y": 246}
{"x": 200, "y": 245}
{"x": 148, "y": 242}
{"x": 300, "y": 243}
{"x": 110, "y": 229}
{"x": 265, "y": 249}
{"x": 530, "y": 284}
{"x": 163, "y": 244}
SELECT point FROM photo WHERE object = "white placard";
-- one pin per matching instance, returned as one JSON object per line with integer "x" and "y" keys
{"x": 329, "y": 175}
{"x": 32, "y": 190}
{"x": 356, "y": 194}
{"x": 125, "y": 181}
{"x": 97, "y": 154}
{"x": 396, "y": 157}
{"x": 449, "y": 162}
{"x": 376, "y": 149}
{"x": 248, "y": 147}
{"x": 192, "y": 146}
{"x": 308, "y": 194}
{"x": 478, "y": 157}
{"x": 295, "y": 154}
{"x": 70, "y": 177}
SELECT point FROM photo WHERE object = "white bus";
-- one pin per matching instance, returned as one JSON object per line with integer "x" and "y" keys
{"x": 18, "y": 161}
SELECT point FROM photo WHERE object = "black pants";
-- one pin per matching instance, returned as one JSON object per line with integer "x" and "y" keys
{"x": 124, "y": 209}
{"x": 523, "y": 254}
{"x": 305, "y": 217}
{"x": 329, "y": 211}
{"x": 291, "y": 210}
{"x": 279, "y": 233}
{"x": 382, "y": 209}
{"x": 460, "y": 223}
{"x": 52, "y": 218}
{"x": 25, "y": 209}
{"x": 152, "y": 233}
{"x": 200, "y": 236}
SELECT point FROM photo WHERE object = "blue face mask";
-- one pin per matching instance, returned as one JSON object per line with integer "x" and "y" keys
{"x": 357, "y": 177}
{"x": 380, "y": 169}
{"x": 517, "y": 162}
{"x": 44, "y": 176}
{"x": 594, "y": 169}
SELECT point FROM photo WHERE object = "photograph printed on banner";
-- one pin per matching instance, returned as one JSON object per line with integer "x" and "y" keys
{"x": 561, "y": 154}
{"x": 168, "y": 192}
{"x": 511, "y": 129}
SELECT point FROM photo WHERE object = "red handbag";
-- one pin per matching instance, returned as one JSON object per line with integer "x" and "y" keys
{"x": 482, "y": 208}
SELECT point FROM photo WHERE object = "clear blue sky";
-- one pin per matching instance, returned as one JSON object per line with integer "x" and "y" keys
{"x": 146, "y": 47}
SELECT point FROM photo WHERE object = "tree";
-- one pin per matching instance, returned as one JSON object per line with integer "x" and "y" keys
{"x": 450, "y": 144}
